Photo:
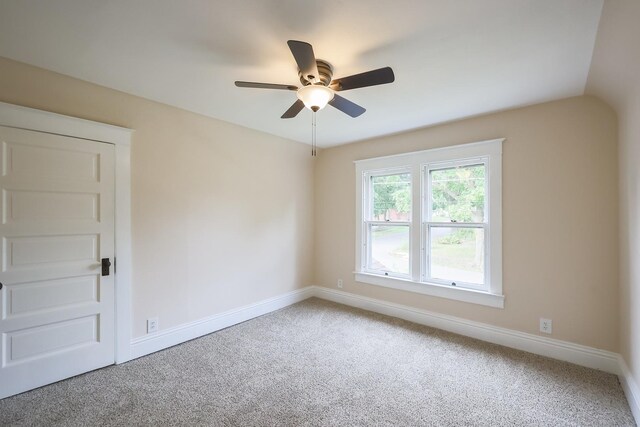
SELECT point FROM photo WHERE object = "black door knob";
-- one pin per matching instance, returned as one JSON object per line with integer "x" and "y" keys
{"x": 105, "y": 266}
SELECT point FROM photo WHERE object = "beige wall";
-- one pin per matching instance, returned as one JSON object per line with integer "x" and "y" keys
{"x": 560, "y": 210}
{"x": 222, "y": 215}
{"x": 615, "y": 77}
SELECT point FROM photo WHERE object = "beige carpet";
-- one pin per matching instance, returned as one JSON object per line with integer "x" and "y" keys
{"x": 322, "y": 364}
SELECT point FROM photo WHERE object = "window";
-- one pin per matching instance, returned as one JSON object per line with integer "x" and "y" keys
{"x": 430, "y": 222}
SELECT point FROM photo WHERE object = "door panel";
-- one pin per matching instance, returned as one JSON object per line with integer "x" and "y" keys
{"x": 29, "y": 298}
{"x": 22, "y": 206}
{"x": 57, "y": 206}
{"x": 40, "y": 161}
{"x": 37, "y": 252}
{"x": 43, "y": 340}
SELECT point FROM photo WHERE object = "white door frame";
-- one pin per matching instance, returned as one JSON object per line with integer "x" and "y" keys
{"x": 31, "y": 119}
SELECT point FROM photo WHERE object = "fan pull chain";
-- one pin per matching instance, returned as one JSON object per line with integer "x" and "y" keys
{"x": 313, "y": 134}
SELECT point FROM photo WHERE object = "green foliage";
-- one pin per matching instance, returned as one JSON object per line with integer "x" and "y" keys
{"x": 391, "y": 192}
{"x": 458, "y": 194}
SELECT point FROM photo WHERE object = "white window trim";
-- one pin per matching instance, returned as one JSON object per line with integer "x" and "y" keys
{"x": 416, "y": 162}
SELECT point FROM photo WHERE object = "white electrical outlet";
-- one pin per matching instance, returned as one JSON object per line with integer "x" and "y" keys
{"x": 340, "y": 283}
{"x": 152, "y": 325}
{"x": 546, "y": 325}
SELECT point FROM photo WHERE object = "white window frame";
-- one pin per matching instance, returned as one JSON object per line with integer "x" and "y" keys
{"x": 418, "y": 163}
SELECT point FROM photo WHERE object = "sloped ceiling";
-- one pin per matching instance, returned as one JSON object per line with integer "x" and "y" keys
{"x": 452, "y": 58}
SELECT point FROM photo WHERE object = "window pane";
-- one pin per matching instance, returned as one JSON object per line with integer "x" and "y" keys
{"x": 457, "y": 254}
{"x": 390, "y": 248}
{"x": 391, "y": 197}
{"x": 458, "y": 194}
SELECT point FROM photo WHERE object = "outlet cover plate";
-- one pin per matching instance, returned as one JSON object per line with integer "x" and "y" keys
{"x": 546, "y": 325}
{"x": 152, "y": 325}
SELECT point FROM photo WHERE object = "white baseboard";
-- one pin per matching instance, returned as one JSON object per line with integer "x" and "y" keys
{"x": 631, "y": 389}
{"x": 562, "y": 350}
{"x": 167, "y": 338}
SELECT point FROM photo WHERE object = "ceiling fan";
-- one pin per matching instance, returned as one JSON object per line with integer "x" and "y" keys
{"x": 318, "y": 89}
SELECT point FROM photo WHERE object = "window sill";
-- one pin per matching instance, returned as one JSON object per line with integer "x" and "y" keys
{"x": 442, "y": 291}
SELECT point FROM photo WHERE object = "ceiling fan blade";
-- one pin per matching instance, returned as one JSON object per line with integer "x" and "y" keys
{"x": 369, "y": 78}
{"x": 346, "y": 106}
{"x": 306, "y": 60}
{"x": 265, "y": 85}
{"x": 293, "y": 110}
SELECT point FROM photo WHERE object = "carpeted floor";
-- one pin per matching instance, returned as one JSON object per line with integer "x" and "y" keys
{"x": 322, "y": 364}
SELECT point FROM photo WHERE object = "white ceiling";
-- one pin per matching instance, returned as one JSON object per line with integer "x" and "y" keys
{"x": 452, "y": 58}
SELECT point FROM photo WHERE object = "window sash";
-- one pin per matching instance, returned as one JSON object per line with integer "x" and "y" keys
{"x": 427, "y": 206}
{"x": 368, "y": 192}
{"x": 368, "y": 249}
{"x": 427, "y": 276}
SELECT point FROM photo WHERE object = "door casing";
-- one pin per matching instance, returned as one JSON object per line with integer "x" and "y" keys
{"x": 43, "y": 121}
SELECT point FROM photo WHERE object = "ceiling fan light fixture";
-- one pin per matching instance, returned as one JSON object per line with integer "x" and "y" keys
{"x": 315, "y": 97}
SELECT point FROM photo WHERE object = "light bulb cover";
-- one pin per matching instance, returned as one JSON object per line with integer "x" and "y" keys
{"x": 315, "y": 97}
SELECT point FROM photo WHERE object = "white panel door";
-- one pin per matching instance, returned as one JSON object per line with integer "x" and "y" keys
{"x": 57, "y": 207}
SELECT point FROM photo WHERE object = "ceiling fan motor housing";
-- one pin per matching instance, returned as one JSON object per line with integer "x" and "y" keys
{"x": 324, "y": 69}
